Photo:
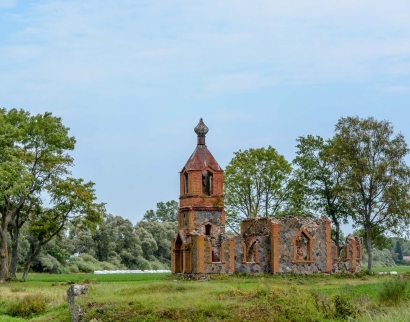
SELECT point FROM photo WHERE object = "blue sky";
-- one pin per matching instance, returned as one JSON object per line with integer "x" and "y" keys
{"x": 132, "y": 78}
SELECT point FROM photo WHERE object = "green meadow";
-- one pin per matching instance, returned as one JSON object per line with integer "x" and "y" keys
{"x": 164, "y": 297}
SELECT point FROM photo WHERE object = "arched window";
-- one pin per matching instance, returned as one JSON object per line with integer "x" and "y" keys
{"x": 207, "y": 183}
{"x": 186, "y": 183}
{"x": 208, "y": 229}
{"x": 250, "y": 257}
{"x": 302, "y": 247}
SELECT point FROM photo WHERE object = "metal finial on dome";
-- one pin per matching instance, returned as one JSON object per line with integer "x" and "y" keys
{"x": 201, "y": 129}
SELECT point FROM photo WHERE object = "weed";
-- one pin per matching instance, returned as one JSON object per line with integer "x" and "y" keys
{"x": 322, "y": 304}
{"x": 344, "y": 306}
{"x": 393, "y": 292}
{"x": 17, "y": 289}
{"x": 28, "y": 306}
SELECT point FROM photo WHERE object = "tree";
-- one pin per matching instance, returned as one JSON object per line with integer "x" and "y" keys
{"x": 17, "y": 222}
{"x": 162, "y": 232}
{"x": 322, "y": 178}
{"x": 34, "y": 157}
{"x": 166, "y": 212}
{"x": 116, "y": 238}
{"x": 377, "y": 179}
{"x": 256, "y": 184}
{"x": 398, "y": 250}
{"x": 73, "y": 201}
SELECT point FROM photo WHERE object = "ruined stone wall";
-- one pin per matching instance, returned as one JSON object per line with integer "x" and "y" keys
{"x": 290, "y": 228}
{"x": 351, "y": 259}
{"x": 263, "y": 255}
{"x": 220, "y": 266}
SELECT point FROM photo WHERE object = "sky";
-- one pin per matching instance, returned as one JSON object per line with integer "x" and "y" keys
{"x": 132, "y": 78}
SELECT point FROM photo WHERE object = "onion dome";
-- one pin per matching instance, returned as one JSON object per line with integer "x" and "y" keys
{"x": 201, "y": 129}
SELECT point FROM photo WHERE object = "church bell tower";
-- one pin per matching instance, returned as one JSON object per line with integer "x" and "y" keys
{"x": 201, "y": 212}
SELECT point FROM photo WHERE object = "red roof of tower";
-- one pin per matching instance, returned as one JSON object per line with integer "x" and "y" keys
{"x": 201, "y": 158}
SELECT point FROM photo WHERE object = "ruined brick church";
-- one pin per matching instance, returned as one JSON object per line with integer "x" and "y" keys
{"x": 265, "y": 245}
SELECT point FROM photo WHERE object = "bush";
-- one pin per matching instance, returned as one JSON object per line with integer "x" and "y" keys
{"x": 393, "y": 292}
{"x": 86, "y": 267}
{"x": 344, "y": 307}
{"x": 28, "y": 306}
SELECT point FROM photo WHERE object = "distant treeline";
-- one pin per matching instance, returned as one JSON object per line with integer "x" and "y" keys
{"x": 115, "y": 244}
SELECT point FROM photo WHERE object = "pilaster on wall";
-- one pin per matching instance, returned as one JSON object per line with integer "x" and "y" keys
{"x": 231, "y": 255}
{"x": 200, "y": 265}
{"x": 223, "y": 217}
{"x": 244, "y": 253}
{"x": 172, "y": 256}
{"x": 191, "y": 222}
{"x": 354, "y": 255}
{"x": 347, "y": 251}
{"x": 329, "y": 246}
{"x": 187, "y": 267}
{"x": 223, "y": 252}
{"x": 274, "y": 248}
{"x": 335, "y": 252}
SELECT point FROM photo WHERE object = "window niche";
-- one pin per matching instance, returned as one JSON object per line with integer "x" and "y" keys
{"x": 302, "y": 247}
{"x": 216, "y": 254}
{"x": 208, "y": 230}
{"x": 251, "y": 250}
{"x": 207, "y": 178}
{"x": 186, "y": 183}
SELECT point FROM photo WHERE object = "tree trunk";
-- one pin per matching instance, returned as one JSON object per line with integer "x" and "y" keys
{"x": 26, "y": 269}
{"x": 3, "y": 248}
{"x": 337, "y": 236}
{"x": 14, "y": 253}
{"x": 369, "y": 249}
{"x": 28, "y": 263}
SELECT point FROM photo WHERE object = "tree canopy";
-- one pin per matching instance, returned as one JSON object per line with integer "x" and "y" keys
{"x": 256, "y": 184}
{"x": 35, "y": 166}
{"x": 321, "y": 176}
{"x": 376, "y": 177}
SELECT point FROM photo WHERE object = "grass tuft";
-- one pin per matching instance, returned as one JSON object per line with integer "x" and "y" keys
{"x": 28, "y": 306}
{"x": 393, "y": 292}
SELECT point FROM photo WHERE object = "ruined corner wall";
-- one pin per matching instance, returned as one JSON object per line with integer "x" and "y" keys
{"x": 351, "y": 259}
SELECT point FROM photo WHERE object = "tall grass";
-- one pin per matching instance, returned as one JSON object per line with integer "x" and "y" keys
{"x": 163, "y": 297}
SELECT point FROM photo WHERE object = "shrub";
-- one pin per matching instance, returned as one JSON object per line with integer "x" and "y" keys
{"x": 344, "y": 306}
{"x": 74, "y": 268}
{"x": 86, "y": 267}
{"x": 28, "y": 306}
{"x": 393, "y": 292}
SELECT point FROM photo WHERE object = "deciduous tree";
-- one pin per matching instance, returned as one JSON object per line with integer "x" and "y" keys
{"x": 256, "y": 184}
{"x": 377, "y": 178}
{"x": 72, "y": 200}
{"x": 322, "y": 177}
{"x": 166, "y": 212}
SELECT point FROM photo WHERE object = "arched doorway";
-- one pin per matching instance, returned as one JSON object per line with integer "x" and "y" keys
{"x": 178, "y": 255}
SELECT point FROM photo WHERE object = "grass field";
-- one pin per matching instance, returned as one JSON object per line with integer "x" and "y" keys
{"x": 163, "y": 297}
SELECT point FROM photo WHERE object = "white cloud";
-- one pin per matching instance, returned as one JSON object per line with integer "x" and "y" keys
{"x": 225, "y": 47}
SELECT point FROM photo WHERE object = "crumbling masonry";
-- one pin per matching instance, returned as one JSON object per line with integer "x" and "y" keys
{"x": 265, "y": 245}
